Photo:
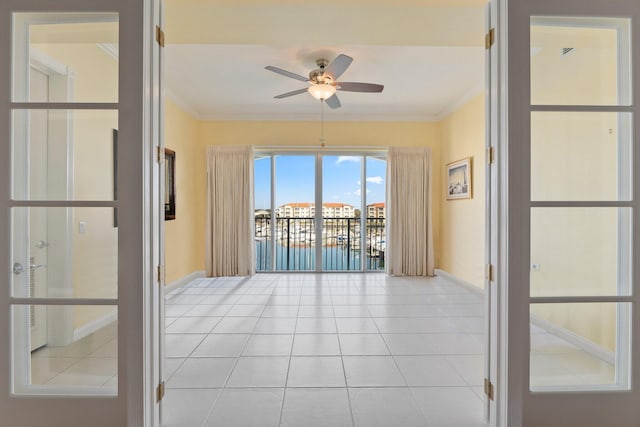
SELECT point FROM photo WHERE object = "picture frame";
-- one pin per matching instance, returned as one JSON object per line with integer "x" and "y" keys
{"x": 170, "y": 184}
{"x": 459, "y": 179}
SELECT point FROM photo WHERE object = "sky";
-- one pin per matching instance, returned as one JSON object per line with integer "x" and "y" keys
{"x": 341, "y": 176}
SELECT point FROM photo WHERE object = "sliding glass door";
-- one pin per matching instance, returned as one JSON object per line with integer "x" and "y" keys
{"x": 311, "y": 210}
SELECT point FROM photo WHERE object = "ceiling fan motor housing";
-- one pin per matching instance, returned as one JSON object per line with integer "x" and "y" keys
{"x": 316, "y": 76}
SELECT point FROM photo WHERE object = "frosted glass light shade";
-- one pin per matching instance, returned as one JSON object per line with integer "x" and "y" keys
{"x": 321, "y": 90}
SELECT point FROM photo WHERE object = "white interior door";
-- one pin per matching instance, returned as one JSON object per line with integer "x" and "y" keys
{"x": 38, "y": 238}
{"x": 57, "y": 207}
{"x": 573, "y": 231}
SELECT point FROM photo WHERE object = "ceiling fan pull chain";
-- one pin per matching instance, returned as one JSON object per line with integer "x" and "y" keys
{"x": 322, "y": 144}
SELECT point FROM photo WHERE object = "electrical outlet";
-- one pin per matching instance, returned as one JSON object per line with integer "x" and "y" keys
{"x": 535, "y": 267}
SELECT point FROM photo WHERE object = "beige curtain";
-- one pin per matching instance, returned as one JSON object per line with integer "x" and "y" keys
{"x": 230, "y": 248}
{"x": 410, "y": 237}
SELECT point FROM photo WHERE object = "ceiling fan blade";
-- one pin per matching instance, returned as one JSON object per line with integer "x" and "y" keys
{"x": 359, "y": 87}
{"x": 338, "y": 66}
{"x": 292, "y": 93}
{"x": 333, "y": 102}
{"x": 286, "y": 73}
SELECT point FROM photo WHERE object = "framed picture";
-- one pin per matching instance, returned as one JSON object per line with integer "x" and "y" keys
{"x": 169, "y": 184}
{"x": 459, "y": 179}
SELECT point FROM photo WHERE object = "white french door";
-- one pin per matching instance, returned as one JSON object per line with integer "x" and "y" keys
{"x": 74, "y": 256}
{"x": 571, "y": 243}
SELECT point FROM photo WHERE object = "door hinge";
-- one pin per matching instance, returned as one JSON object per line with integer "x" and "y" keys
{"x": 160, "y": 154}
{"x": 160, "y": 392}
{"x": 491, "y": 155}
{"x": 161, "y": 274}
{"x": 490, "y": 272}
{"x": 159, "y": 36}
{"x": 490, "y": 38}
{"x": 488, "y": 388}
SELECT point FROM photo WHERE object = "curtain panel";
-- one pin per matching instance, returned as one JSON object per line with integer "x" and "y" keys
{"x": 410, "y": 236}
{"x": 229, "y": 232}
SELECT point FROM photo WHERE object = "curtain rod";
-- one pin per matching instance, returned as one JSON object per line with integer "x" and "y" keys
{"x": 329, "y": 149}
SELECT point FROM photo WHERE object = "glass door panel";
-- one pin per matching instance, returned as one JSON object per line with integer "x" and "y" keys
{"x": 375, "y": 225}
{"x": 295, "y": 185}
{"x": 64, "y": 240}
{"x": 341, "y": 212}
{"x": 262, "y": 212}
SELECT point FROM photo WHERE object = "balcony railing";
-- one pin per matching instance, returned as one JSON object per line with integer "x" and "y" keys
{"x": 295, "y": 244}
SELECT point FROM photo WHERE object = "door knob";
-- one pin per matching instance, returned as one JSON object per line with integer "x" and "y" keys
{"x": 18, "y": 268}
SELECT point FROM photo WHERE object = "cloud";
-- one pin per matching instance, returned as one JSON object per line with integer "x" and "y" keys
{"x": 358, "y": 192}
{"x": 347, "y": 159}
{"x": 375, "y": 179}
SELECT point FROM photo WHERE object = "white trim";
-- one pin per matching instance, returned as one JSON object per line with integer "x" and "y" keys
{"x": 458, "y": 281}
{"x": 464, "y": 99}
{"x": 581, "y": 342}
{"x": 111, "y": 49}
{"x": 588, "y": 346}
{"x": 184, "y": 280}
{"x": 46, "y": 63}
{"x": 311, "y": 117}
{"x": 182, "y": 104}
{"x": 95, "y": 325}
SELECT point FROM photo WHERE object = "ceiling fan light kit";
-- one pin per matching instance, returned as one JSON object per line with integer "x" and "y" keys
{"x": 323, "y": 82}
{"x": 321, "y": 91}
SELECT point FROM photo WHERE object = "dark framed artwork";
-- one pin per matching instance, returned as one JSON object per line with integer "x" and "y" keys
{"x": 169, "y": 184}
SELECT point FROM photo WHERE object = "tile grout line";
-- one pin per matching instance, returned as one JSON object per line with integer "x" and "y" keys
{"x": 344, "y": 371}
{"x": 286, "y": 380}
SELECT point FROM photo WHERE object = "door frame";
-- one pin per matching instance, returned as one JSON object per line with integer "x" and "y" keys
{"x": 318, "y": 156}
{"x": 517, "y": 405}
{"x": 132, "y": 405}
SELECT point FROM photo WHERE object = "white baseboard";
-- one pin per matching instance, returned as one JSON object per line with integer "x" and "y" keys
{"x": 459, "y": 281}
{"x": 91, "y": 327}
{"x": 184, "y": 280}
{"x": 582, "y": 343}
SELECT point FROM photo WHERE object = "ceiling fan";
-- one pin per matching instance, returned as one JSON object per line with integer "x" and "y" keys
{"x": 323, "y": 82}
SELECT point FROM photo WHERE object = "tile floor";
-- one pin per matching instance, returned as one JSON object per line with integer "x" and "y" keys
{"x": 323, "y": 350}
{"x": 90, "y": 361}
{"x": 320, "y": 350}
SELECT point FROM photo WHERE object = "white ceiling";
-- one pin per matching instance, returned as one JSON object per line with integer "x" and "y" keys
{"x": 217, "y": 76}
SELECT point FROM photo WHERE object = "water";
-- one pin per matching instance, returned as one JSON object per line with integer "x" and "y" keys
{"x": 302, "y": 258}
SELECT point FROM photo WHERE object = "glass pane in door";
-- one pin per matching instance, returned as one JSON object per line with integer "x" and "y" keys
{"x": 341, "y": 212}
{"x": 262, "y": 212}
{"x": 580, "y": 61}
{"x": 580, "y": 252}
{"x": 64, "y": 252}
{"x": 581, "y": 156}
{"x": 580, "y": 346}
{"x": 68, "y": 348}
{"x": 375, "y": 243}
{"x": 295, "y": 210}
{"x": 64, "y": 154}
{"x": 78, "y": 52}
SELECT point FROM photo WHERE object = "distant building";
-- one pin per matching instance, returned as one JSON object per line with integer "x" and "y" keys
{"x": 375, "y": 210}
{"x": 308, "y": 210}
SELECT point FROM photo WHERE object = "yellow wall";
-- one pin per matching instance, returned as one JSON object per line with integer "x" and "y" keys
{"x": 462, "y": 221}
{"x": 184, "y": 238}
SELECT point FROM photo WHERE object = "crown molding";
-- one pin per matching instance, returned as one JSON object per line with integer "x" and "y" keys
{"x": 182, "y": 104}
